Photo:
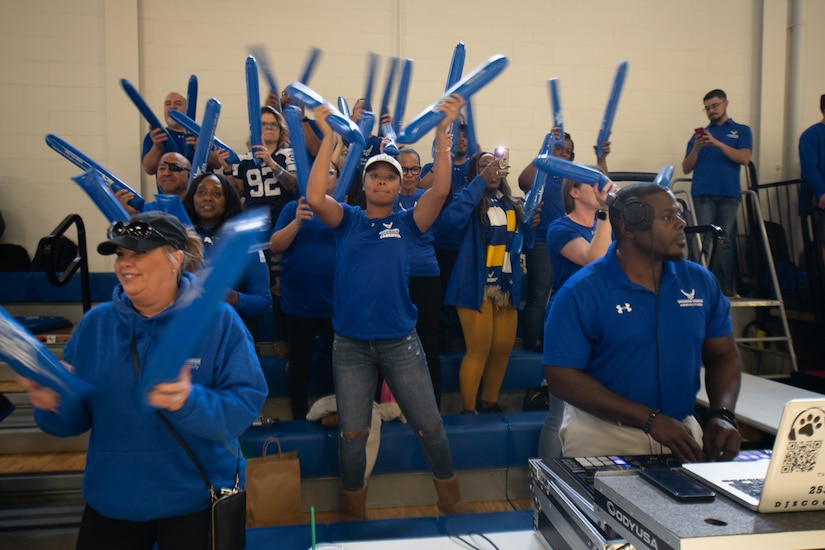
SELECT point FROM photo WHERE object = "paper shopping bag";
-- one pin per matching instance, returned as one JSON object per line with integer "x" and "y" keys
{"x": 273, "y": 488}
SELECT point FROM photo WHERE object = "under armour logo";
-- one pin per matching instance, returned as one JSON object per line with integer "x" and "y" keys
{"x": 689, "y": 295}
{"x": 623, "y": 308}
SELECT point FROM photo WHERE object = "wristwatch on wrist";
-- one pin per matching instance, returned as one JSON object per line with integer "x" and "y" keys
{"x": 726, "y": 415}
{"x": 602, "y": 215}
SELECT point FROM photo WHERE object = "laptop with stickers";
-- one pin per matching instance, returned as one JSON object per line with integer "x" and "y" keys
{"x": 792, "y": 479}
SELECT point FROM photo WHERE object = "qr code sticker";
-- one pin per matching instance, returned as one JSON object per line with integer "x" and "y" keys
{"x": 801, "y": 456}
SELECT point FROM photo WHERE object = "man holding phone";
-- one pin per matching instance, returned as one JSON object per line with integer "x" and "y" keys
{"x": 714, "y": 155}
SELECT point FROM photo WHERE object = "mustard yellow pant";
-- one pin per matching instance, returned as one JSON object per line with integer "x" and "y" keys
{"x": 489, "y": 336}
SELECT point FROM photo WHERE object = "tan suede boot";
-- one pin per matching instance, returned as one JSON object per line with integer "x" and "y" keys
{"x": 449, "y": 496}
{"x": 354, "y": 505}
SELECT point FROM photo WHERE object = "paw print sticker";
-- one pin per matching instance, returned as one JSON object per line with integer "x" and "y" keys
{"x": 807, "y": 424}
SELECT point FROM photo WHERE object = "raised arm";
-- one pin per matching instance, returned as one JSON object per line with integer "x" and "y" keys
{"x": 429, "y": 205}
{"x": 328, "y": 210}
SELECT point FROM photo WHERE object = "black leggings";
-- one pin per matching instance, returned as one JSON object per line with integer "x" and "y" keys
{"x": 97, "y": 532}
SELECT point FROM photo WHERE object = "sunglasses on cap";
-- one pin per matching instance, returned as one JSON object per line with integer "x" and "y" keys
{"x": 172, "y": 167}
{"x": 137, "y": 230}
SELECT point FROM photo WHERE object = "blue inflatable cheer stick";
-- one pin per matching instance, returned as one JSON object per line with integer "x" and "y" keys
{"x": 146, "y": 111}
{"x": 353, "y": 160}
{"x": 191, "y": 107}
{"x": 292, "y": 113}
{"x": 555, "y": 105}
{"x": 343, "y": 125}
{"x": 610, "y": 111}
{"x": 200, "y": 162}
{"x": 259, "y": 53}
{"x": 195, "y": 129}
{"x": 466, "y": 87}
{"x": 403, "y": 90}
{"x": 309, "y": 68}
{"x": 664, "y": 176}
{"x": 85, "y": 163}
{"x": 253, "y": 106}
{"x": 556, "y": 166}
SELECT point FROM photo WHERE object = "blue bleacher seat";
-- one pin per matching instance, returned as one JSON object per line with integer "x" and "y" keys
{"x": 33, "y": 287}
{"x": 477, "y": 442}
{"x": 284, "y": 537}
{"x": 523, "y": 435}
{"x": 491, "y": 522}
{"x": 524, "y": 370}
{"x": 385, "y": 529}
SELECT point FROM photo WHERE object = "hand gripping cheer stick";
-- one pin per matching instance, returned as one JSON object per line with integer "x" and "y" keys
{"x": 147, "y": 113}
{"x": 556, "y": 166}
{"x": 610, "y": 111}
{"x": 466, "y": 87}
{"x": 194, "y": 128}
{"x": 29, "y": 358}
{"x": 341, "y": 124}
{"x": 85, "y": 163}
{"x": 195, "y": 308}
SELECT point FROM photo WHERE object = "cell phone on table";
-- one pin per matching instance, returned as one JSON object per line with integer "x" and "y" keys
{"x": 502, "y": 155}
{"x": 699, "y": 131}
{"x": 678, "y": 485}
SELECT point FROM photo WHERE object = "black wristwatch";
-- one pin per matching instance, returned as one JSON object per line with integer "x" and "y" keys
{"x": 602, "y": 215}
{"x": 726, "y": 415}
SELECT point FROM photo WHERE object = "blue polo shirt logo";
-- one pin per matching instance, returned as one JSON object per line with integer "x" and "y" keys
{"x": 690, "y": 299}
{"x": 734, "y": 134}
{"x": 623, "y": 308}
{"x": 193, "y": 363}
{"x": 389, "y": 232}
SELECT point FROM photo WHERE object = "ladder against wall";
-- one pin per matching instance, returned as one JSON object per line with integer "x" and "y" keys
{"x": 760, "y": 319}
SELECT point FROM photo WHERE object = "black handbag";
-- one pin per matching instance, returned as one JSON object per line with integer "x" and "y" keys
{"x": 228, "y": 505}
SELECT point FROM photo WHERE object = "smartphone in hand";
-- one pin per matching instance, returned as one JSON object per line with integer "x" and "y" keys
{"x": 502, "y": 156}
{"x": 700, "y": 132}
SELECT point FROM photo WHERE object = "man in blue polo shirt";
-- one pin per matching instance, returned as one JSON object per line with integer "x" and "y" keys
{"x": 715, "y": 154}
{"x": 626, "y": 336}
{"x": 812, "y": 164}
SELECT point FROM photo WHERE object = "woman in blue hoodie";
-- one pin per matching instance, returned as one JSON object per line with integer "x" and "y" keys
{"x": 140, "y": 486}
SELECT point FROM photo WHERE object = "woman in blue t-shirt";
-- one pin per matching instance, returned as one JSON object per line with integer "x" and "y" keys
{"x": 373, "y": 316}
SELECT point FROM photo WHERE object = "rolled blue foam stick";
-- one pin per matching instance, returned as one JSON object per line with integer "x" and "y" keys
{"x": 200, "y": 162}
{"x": 191, "y": 106}
{"x": 147, "y": 113}
{"x": 259, "y": 53}
{"x": 253, "y": 106}
{"x": 353, "y": 160}
{"x": 403, "y": 90}
{"x": 556, "y": 166}
{"x": 548, "y": 144}
{"x": 466, "y": 87}
{"x": 470, "y": 129}
{"x": 391, "y": 148}
{"x": 612, "y": 105}
{"x": 664, "y": 176}
{"x": 294, "y": 121}
{"x": 101, "y": 194}
{"x": 385, "y": 99}
{"x": 85, "y": 163}
{"x": 171, "y": 204}
{"x": 195, "y": 308}
{"x": 29, "y": 358}
{"x": 535, "y": 194}
{"x": 372, "y": 67}
{"x": 343, "y": 106}
{"x": 307, "y": 97}
{"x": 453, "y": 76}
{"x": 194, "y": 128}
{"x": 309, "y": 67}
{"x": 555, "y": 105}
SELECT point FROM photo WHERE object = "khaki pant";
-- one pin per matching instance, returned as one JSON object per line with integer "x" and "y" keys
{"x": 583, "y": 434}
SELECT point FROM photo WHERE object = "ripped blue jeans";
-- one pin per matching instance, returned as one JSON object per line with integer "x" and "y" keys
{"x": 355, "y": 367}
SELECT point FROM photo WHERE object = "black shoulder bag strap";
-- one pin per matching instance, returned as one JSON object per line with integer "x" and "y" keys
{"x": 183, "y": 444}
